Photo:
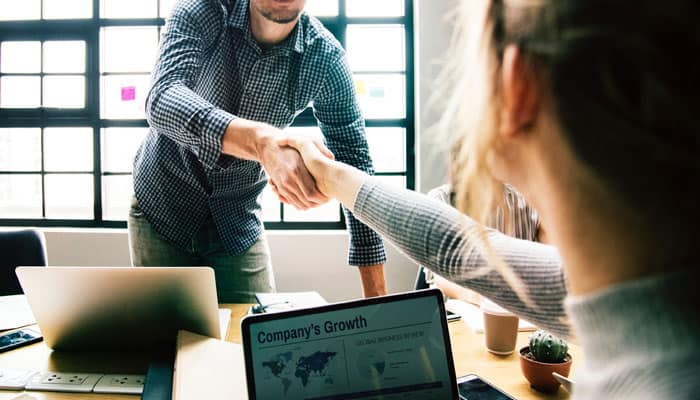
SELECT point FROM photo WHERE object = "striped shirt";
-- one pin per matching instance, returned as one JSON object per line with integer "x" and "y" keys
{"x": 210, "y": 71}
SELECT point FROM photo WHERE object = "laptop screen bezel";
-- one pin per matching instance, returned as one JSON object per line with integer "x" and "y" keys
{"x": 250, "y": 320}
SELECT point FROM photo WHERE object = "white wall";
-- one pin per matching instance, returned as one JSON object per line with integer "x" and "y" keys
{"x": 432, "y": 32}
{"x": 310, "y": 260}
{"x": 302, "y": 260}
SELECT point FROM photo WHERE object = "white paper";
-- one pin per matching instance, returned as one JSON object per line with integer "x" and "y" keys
{"x": 15, "y": 312}
{"x": 289, "y": 300}
{"x": 224, "y": 321}
{"x": 473, "y": 317}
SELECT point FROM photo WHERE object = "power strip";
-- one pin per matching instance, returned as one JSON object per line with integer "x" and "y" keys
{"x": 71, "y": 382}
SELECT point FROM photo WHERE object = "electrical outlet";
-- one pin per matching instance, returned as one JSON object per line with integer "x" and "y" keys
{"x": 128, "y": 384}
{"x": 13, "y": 379}
{"x": 63, "y": 382}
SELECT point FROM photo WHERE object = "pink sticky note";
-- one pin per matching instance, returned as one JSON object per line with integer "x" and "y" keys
{"x": 128, "y": 93}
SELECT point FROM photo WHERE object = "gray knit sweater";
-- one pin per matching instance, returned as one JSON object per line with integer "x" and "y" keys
{"x": 640, "y": 340}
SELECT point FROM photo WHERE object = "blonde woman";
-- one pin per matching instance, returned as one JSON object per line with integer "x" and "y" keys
{"x": 589, "y": 108}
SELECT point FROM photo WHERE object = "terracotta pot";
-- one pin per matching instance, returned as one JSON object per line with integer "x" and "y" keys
{"x": 539, "y": 374}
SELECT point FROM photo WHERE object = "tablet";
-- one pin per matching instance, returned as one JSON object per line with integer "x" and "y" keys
{"x": 395, "y": 346}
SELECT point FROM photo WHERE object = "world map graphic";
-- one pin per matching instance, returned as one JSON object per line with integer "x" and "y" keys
{"x": 283, "y": 367}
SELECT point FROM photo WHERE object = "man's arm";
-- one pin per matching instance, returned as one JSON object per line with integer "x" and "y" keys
{"x": 341, "y": 122}
{"x": 174, "y": 109}
{"x": 373, "y": 281}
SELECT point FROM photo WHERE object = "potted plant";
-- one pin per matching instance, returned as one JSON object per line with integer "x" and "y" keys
{"x": 545, "y": 354}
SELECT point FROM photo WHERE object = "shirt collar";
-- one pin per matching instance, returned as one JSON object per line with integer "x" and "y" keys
{"x": 240, "y": 19}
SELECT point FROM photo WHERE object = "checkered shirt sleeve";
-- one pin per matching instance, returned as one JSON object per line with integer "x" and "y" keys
{"x": 210, "y": 71}
{"x": 340, "y": 119}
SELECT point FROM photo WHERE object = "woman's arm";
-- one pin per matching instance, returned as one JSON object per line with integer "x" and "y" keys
{"x": 441, "y": 238}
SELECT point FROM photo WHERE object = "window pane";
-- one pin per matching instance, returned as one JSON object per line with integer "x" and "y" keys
{"x": 387, "y": 146}
{"x": 20, "y": 91}
{"x": 64, "y": 56}
{"x": 329, "y": 212}
{"x": 374, "y": 8}
{"x": 63, "y": 9}
{"x": 119, "y": 53}
{"x": 119, "y": 147}
{"x": 129, "y": 9}
{"x": 68, "y": 149}
{"x": 395, "y": 181}
{"x": 322, "y": 8}
{"x": 20, "y": 196}
{"x": 270, "y": 205}
{"x": 19, "y": 10}
{"x": 124, "y": 96}
{"x": 376, "y": 47}
{"x": 116, "y": 197}
{"x": 22, "y": 57}
{"x": 166, "y": 7}
{"x": 69, "y": 196}
{"x": 20, "y": 149}
{"x": 64, "y": 91}
{"x": 381, "y": 96}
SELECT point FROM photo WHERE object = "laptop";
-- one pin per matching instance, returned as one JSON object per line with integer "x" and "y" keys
{"x": 120, "y": 308}
{"x": 395, "y": 346}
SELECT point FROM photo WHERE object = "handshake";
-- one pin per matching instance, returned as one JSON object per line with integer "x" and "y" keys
{"x": 297, "y": 166}
{"x": 301, "y": 169}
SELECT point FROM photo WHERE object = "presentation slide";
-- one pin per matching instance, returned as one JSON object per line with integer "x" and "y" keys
{"x": 389, "y": 351}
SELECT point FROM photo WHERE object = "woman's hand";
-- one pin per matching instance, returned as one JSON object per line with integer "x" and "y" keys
{"x": 317, "y": 158}
{"x": 333, "y": 179}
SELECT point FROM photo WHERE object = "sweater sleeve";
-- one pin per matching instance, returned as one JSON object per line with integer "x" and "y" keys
{"x": 440, "y": 238}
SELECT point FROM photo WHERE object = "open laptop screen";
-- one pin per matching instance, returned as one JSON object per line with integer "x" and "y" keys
{"x": 388, "y": 347}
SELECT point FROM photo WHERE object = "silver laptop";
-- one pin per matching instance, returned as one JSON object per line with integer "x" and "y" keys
{"x": 127, "y": 308}
{"x": 389, "y": 347}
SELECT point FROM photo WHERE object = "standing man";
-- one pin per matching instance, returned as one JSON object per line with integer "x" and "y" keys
{"x": 231, "y": 74}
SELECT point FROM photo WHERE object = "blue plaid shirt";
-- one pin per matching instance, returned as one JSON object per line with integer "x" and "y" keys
{"x": 210, "y": 71}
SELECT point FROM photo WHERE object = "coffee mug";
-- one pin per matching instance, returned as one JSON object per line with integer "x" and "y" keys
{"x": 500, "y": 328}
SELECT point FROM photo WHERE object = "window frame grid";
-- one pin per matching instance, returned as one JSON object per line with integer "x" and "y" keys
{"x": 90, "y": 116}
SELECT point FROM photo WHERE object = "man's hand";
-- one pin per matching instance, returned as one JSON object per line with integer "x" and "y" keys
{"x": 288, "y": 175}
{"x": 373, "y": 281}
{"x": 333, "y": 179}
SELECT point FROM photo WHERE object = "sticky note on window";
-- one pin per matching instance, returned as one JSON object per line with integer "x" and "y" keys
{"x": 361, "y": 88}
{"x": 128, "y": 93}
{"x": 376, "y": 91}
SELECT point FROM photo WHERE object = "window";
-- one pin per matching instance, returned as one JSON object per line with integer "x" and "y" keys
{"x": 73, "y": 87}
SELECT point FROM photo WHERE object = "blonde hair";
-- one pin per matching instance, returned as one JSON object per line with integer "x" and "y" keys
{"x": 624, "y": 82}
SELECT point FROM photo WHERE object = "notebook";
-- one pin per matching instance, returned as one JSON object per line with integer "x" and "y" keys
{"x": 395, "y": 346}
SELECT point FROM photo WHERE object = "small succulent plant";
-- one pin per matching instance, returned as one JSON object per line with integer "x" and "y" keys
{"x": 548, "y": 348}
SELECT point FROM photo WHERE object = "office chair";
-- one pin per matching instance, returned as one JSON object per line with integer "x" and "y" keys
{"x": 421, "y": 282}
{"x": 24, "y": 247}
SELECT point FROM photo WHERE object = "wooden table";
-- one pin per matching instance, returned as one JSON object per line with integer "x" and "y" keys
{"x": 468, "y": 350}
